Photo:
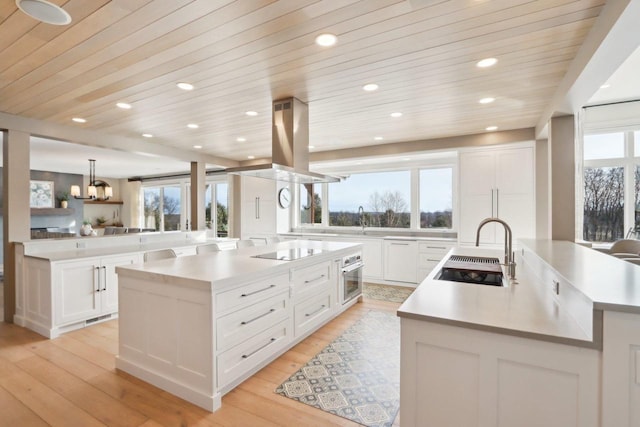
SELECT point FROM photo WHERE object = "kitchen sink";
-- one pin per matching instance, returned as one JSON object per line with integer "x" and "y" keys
{"x": 472, "y": 269}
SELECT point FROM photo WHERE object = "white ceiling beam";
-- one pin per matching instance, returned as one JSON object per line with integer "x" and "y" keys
{"x": 612, "y": 39}
{"x": 96, "y": 139}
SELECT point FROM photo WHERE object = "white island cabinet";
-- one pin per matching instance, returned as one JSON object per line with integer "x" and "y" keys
{"x": 559, "y": 348}
{"x": 198, "y": 326}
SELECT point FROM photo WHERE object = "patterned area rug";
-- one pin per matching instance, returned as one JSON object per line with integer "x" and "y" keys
{"x": 357, "y": 376}
{"x": 386, "y": 293}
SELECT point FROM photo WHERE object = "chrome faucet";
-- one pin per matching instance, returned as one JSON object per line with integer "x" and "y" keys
{"x": 361, "y": 214}
{"x": 509, "y": 256}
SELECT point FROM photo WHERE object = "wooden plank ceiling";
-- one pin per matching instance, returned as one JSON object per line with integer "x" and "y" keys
{"x": 240, "y": 55}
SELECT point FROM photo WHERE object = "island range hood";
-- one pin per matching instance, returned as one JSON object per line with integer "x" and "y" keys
{"x": 289, "y": 147}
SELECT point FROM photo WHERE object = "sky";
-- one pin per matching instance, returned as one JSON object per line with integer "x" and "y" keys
{"x": 435, "y": 193}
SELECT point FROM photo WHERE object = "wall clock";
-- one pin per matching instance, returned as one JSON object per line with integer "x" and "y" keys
{"x": 284, "y": 197}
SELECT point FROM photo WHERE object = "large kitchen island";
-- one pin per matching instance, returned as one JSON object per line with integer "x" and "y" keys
{"x": 197, "y": 326}
{"x": 560, "y": 346}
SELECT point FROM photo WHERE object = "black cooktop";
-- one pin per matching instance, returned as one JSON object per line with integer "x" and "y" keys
{"x": 289, "y": 254}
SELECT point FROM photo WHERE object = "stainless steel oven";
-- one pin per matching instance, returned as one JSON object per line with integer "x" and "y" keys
{"x": 351, "y": 278}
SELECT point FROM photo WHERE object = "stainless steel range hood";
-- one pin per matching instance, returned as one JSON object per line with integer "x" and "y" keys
{"x": 289, "y": 147}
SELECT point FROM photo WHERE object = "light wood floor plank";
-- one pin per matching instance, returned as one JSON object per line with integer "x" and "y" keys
{"x": 100, "y": 405}
{"x": 15, "y": 413}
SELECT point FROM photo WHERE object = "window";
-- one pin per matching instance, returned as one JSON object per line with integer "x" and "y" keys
{"x": 222, "y": 209}
{"x": 162, "y": 208}
{"x": 310, "y": 204}
{"x": 385, "y": 198}
{"x": 436, "y": 197}
{"x": 603, "y": 204}
{"x": 604, "y": 146}
{"x": 611, "y": 182}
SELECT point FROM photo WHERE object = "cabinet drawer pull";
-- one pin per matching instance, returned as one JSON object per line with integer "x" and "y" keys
{"x": 316, "y": 279}
{"x": 400, "y": 244}
{"x": 436, "y": 247}
{"x": 436, "y": 260}
{"x": 246, "y": 322}
{"x": 315, "y": 312}
{"x": 97, "y": 278}
{"x": 104, "y": 277}
{"x": 245, "y": 356}
{"x": 258, "y": 291}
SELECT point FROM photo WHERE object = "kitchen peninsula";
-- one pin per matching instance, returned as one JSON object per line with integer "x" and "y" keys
{"x": 561, "y": 347}
{"x": 199, "y": 325}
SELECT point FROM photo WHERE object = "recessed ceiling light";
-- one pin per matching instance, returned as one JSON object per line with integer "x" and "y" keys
{"x": 378, "y": 138}
{"x": 396, "y": 115}
{"x": 197, "y": 147}
{"x": 123, "y": 105}
{"x": 487, "y": 62}
{"x": 251, "y": 113}
{"x": 358, "y": 163}
{"x": 604, "y": 86}
{"x": 311, "y": 147}
{"x": 147, "y": 135}
{"x": 370, "y": 87}
{"x": 79, "y": 120}
{"x": 193, "y": 126}
{"x": 241, "y": 139}
{"x": 486, "y": 100}
{"x": 44, "y": 11}
{"x": 406, "y": 159}
{"x": 326, "y": 39}
{"x": 185, "y": 86}
{"x": 491, "y": 128}
{"x": 251, "y": 157}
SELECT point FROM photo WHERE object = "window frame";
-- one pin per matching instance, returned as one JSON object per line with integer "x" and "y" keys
{"x": 414, "y": 197}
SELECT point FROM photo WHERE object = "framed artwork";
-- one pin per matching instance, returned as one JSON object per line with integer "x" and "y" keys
{"x": 41, "y": 194}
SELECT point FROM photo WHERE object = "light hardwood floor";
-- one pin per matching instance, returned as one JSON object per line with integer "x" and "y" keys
{"x": 72, "y": 381}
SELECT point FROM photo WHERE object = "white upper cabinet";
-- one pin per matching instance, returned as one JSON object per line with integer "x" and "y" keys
{"x": 258, "y": 207}
{"x": 497, "y": 183}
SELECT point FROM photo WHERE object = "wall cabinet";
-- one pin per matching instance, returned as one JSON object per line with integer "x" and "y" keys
{"x": 497, "y": 183}
{"x": 401, "y": 260}
{"x": 258, "y": 207}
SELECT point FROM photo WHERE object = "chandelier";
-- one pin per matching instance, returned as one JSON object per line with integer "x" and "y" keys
{"x": 92, "y": 188}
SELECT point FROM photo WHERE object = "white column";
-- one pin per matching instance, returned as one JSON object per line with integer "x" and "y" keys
{"x": 563, "y": 201}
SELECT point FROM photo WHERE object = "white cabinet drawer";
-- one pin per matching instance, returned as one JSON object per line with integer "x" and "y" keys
{"x": 434, "y": 247}
{"x": 312, "y": 312}
{"x": 251, "y": 293}
{"x": 426, "y": 260}
{"x": 311, "y": 280}
{"x": 238, "y": 360}
{"x": 240, "y": 325}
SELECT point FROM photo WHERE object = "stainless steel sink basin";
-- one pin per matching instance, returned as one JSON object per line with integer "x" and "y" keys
{"x": 472, "y": 269}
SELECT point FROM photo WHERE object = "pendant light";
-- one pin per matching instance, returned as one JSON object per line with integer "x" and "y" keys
{"x": 92, "y": 188}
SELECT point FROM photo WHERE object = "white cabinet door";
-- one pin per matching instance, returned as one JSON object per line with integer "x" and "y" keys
{"x": 76, "y": 290}
{"x": 109, "y": 280}
{"x": 497, "y": 183}
{"x": 372, "y": 256}
{"x": 401, "y": 261}
{"x": 258, "y": 207}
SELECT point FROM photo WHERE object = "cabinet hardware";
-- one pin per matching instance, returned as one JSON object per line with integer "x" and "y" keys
{"x": 436, "y": 260}
{"x": 492, "y": 202}
{"x": 246, "y": 322}
{"x": 313, "y": 280}
{"x": 104, "y": 277}
{"x": 96, "y": 276}
{"x": 436, "y": 247}
{"x": 315, "y": 312}
{"x": 497, "y": 202}
{"x": 245, "y": 356}
{"x": 258, "y": 291}
{"x": 400, "y": 244}
{"x": 256, "y": 207}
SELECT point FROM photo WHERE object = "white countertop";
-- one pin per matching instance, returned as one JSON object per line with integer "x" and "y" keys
{"x": 594, "y": 282}
{"x": 219, "y": 267}
{"x": 374, "y": 236}
{"x": 518, "y": 309}
{"x": 66, "y": 255}
{"x": 611, "y": 283}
